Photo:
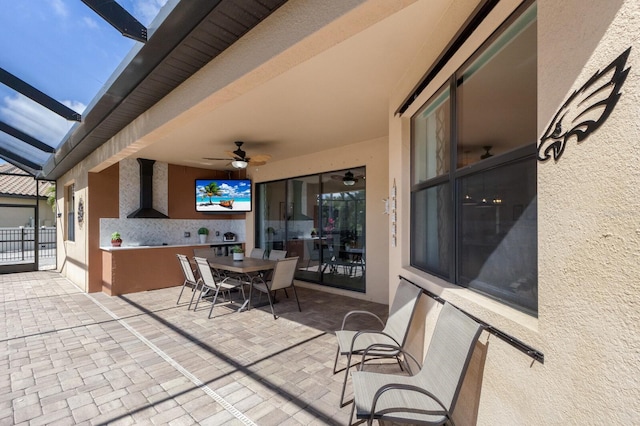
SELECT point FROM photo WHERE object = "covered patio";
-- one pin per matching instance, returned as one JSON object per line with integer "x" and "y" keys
{"x": 69, "y": 357}
{"x": 421, "y": 101}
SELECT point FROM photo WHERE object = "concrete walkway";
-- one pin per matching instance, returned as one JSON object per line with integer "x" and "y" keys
{"x": 67, "y": 357}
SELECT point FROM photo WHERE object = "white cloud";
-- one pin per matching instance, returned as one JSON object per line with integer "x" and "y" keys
{"x": 59, "y": 7}
{"x": 147, "y": 10}
{"x": 90, "y": 22}
{"x": 36, "y": 120}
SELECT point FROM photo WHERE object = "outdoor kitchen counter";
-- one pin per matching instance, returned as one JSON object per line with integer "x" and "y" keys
{"x": 155, "y": 246}
{"x": 131, "y": 269}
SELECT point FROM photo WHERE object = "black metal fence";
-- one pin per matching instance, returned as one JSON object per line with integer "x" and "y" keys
{"x": 18, "y": 244}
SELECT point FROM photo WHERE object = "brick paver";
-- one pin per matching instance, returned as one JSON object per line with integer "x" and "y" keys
{"x": 65, "y": 359}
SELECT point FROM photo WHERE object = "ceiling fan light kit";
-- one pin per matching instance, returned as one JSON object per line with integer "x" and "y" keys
{"x": 348, "y": 179}
{"x": 239, "y": 164}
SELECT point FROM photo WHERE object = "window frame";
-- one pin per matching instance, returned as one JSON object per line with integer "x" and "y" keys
{"x": 456, "y": 174}
{"x": 69, "y": 206}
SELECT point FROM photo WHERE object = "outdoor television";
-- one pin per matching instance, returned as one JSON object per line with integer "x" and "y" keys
{"x": 223, "y": 195}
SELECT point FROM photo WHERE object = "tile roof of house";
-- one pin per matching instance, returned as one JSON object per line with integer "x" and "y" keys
{"x": 22, "y": 186}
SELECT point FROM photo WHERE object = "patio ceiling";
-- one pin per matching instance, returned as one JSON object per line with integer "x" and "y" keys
{"x": 337, "y": 97}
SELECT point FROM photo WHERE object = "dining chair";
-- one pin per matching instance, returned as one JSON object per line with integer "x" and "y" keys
{"x": 215, "y": 284}
{"x": 190, "y": 279}
{"x": 257, "y": 253}
{"x": 313, "y": 252}
{"x": 394, "y": 332}
{"x": 205, "y": 252}
{"x": 277, "y": 254}
{"x": 358, "y": 261}
{"x": 282, "y": 278}
{"x": 429, "y": 396}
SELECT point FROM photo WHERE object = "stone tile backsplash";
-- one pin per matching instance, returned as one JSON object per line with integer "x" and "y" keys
{"x": 170, "y": 231}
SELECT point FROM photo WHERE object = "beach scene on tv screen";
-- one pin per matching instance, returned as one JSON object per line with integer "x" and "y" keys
{"x": 219, "y": 195}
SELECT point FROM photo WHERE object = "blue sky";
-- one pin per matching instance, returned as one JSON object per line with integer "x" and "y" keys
{"x": 64, "y": 49}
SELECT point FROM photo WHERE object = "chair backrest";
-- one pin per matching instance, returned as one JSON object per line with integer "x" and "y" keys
{"x": 283, "y": 273}
{"x": 186, "y": 268}
{"x": 452, "y": 344}
{"x": 205, "y": 272}
{"x": 257, "y": 253}
{"x": 402, "y": 309}
{"x": 277, "y": 254}
{"x": 313, "y": 251}
{"x": 205, "y": 252}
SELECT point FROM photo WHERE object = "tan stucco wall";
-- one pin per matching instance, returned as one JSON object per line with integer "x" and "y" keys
{"x": 589, "y": 260}
{"x": 371, "y": 154}
{"x": 72, "y": 256}
{"x": 588, "y": 227}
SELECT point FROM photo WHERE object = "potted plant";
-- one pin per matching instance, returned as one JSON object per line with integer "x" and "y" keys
{"x": 314, "y": 232}
{"x": 238, "y": 252}
{"x": 202, "y": 233}
{"x": 116, "y": 241}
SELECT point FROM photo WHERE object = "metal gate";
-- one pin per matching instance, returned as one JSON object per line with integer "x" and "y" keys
{"x": 25, "y": 248}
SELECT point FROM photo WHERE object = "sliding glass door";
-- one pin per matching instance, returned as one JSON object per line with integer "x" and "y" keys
{"x": 321, "y": 219}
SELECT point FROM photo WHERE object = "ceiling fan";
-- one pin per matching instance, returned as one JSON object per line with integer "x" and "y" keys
{"x": 239, "y": 158}
{"x": 348, "y": 178}
{"x": 487, "y": 154}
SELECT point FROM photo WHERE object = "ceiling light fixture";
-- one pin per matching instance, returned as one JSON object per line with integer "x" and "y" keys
{"x": 239, "y": 164}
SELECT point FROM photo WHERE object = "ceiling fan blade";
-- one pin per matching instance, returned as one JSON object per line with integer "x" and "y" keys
{"x": 216, "y": 159}
{"x": 262, "y": 158}
{"x": 240, "y": 155}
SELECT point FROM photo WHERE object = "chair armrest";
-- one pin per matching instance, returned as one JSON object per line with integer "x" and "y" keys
{"x": 380, "y": 332}
{"x": 260, "y": 280}
{"x": 257, "y": 279}
{"x": 390, "y": 347}
{"x": 232, "y": 281}
{"x": 408, "y": 388}
{"x": 350, "y": 313}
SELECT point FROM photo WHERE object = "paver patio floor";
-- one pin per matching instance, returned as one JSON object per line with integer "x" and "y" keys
{"x": 67, "y": 357}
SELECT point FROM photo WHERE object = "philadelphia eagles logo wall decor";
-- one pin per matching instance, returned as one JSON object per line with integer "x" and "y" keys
{"x": 585, "y": 110}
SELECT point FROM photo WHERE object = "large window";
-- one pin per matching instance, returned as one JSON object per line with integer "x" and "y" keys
{"x": 473, "y": 194}
{"x": 321, "y": 219}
